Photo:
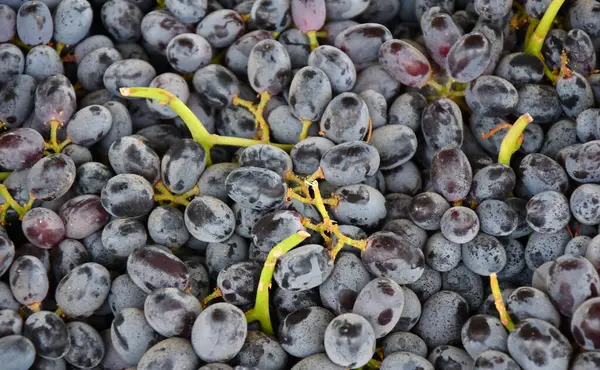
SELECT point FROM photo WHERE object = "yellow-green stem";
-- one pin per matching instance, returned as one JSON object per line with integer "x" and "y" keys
{"x": 535, "y": 43}
{"x": 4, "y": 175}
{"x": 512, "y": 141}
{"x": 499, "y": 302}
{"x": 59, "y": 48}
{"x": 198, "y": 131}
{"x": 215, "y": 294}
{"x": 305, "y": 127}
{"x": 164, "y": 195}
{"x": 260, "y": 312}
{"x": 9, "y": 201}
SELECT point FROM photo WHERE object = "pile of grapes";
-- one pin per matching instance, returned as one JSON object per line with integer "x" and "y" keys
{"x": 299, "y": 184}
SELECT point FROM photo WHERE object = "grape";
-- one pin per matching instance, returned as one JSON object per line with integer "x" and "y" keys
{"x": 83, "y": 290}
{"x": 376, "y": 78}
{"x": 166, "y": 226}
{"x": 540, "y": 101}
{"x": 346, "y": 118}
{"x": 269, "y": 67}
{"x": 341, "y": 10}
{"x": 16, "y": 100}
{"x": 255, "y": 188}
{"x": 442, "y": 318}
{"x": 534, "y": 343}
{"x": 261, "y": 350}
{"x": 41, "y": 62}
{"x": 86, "y": 349}
{"x": 349, "y": 163}
{"x": 216, "y": 85}
{"x": 407, "y": 109}
{"x": 442, "y": 124}
{"x": 548, "y": 212}
{"x": 91, "y": 68}
{"x": 127, "y": 195}
{"x": 404, "y": 342}
{"x": 48, "y": 333}
{"x": 13, "y": 62}
{"x": 238, "y": 282}
{"x": 7, "y": 254}
{"x": 520, "y": 69}
{"x": 20, "y": 148}
{"x": 266, "y": 156}
{"x": 388, "y": 139}
{"x": 540, "y": 173}
{"x": 407, "y": 230}
{"x": 388, "y": 299}
{"x": 440, "y": 32}
{"x": 121, "y": 237}
{"x": 309, "y": 93}
{"x": 308, "y": 15}
{"x": 349, "y": 340}
{"x": 459, "y": 224}
{"x": 54, "y": 99}
{"x": 451, "y": 173}
{"x": 396, "y": 205}
{"x": 491, "y": 9}
{"x": 9, "y": 23}
{"x": 347, "y": 279}
{"x": 441, "y": 254}
{"x": 128, "y": 73}
{"x": 447, "y": 356}
{"x": 496, "y": 217}
{"x": 483, "y": 333}
{"x": 89, "y": 44}
{"x": 188, "y": 52}
{"x": 407, "y": 360}
{"x": 362, "y": 42}
{"x": 542, "y": 248}
{"x": 571, "y": 280}
{"x": 583, "y": 204}
{"x": 386, "y": 252}
{"x": 72, "y": 21}
{"x": 221, "y": 28}
{"x": 219, "y": 323}
{"x": 43, "y": 227}
{"x": 405, "y": 62}
{"x": 151, "y": 267}
{"x": 130, "y": 155}
{"x": 575, "y": 93}
{"x": 132, "y": 335}
{"x": 468, "y": 57}
{"x": 303, "y": 268}
{"x": 66, "y": 256}
{"x": 89, "y": 125}
{"x": 186, "y": 11}
{"x": 587, "y": 360}
{"x": 10, "y": 323}
{"x": 426, "y": 210}
{"x": 209, "y": 219}
{"x": 484, "y": 255}
{"x": 336, "y": 65}
{"x": 28, "y": 280}
{"x": 34, "y": 23}
{"x": 580, "y": 52}
{"x": 236, "y": 56}
{"x": 7, "y": 300}
{"x": 17, "y": 352}
{"x": 185, "y": 152}
{"x": 495, "y": 181}
{"x": 125, "y": 294}
{"x": 159, "y": 27}
{"x": 359, "y": 205}
{"x": 91, "y": 178}
{"x": 171, "y": 312}
{"x": 122, "y": 20}
{"x": 176, "y": 352}
{"x": 302, "y": 332}
{"x": 491, "y": 96}
{"x": 271, "y": 15}
{"x": 531, "y": 303}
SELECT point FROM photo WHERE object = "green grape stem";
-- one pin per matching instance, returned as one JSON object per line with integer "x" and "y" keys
{"x": 260, "y": 312}
{"x": 164, "y": 195}
{"x": 513, "y": 139}
{"x": 198, "y": 131}
{"x": 499, "y": 302}
{"x": 4, "y": 175}
{"x": 536, "y": 41}
{"x": 10, "y": 202}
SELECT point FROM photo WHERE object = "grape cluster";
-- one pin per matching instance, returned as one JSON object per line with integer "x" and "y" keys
{"x": 299, "y": 184}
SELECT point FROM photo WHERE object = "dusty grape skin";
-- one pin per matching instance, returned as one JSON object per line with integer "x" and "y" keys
{"x": 166, "y": 226}
{"x": 404, "y": 359}
{"x": 188, "y": 52}
{"x": 209, "y": 219}
{"x": 131, "y": 155}
{"x": 48, "y": 333}
{"x": 186, "y": 11}
{"x": 548, "y": 212}
{"x": 575, "y": 94}
{"x": 255, "y": 188}
{"x": 496, "y": 217}
{"x": 41, "y": 62}
{"x": 15, "y": 62}
{"x": 86, "y": 349}
{"x": 28, "y": 280}
{"x": 83, "y": 290}
{"x": 407, "y": 230}
{"x": 219, "y": 323}
{"x": 309, "y": 93}
{"x": 441, "y": 254}
{"x": 349, "y": 340}
{"x": 396, "y": 145}
{"x": 451, "y": 173}
{"x": 534, "y": 342}
{"x": 125, "y": 294}
{"x": 55, "y": 99}
{"x": 540, "y": 101}
{"x": 580, "y": 52}
{"x": 238, "y": 282}
{"x": 484, "y": 255}
{"x": 269, "y": 67}
{"x": 583, "y": 204}
{"x": 216, "y": 85}
{"x": 89, "y": 125}
{"x": 7, "y": 254}
{"x": 151, "y": 267}
{"x": 171, "y": 312}
{"x": 66, "y": 256}
{"x": 8, "y": 18}
{"x": 405, "y": 62}
{"x": 346, "y": 118}
{"x": 376, "y": 78}
{"x": 469, "y": 57}
{"x": 132, "y": 335}
{"x": 128, "y": 73}
{"x": 442, "y": 318}
{"x": 541, "y": 173}
{"x": 10, "y": 323}
{"x": 349, "y": 163}
{"x": 385, "y": 313}
{"x": 266, "y": 156}
{"x": 529, "y": 302}
{"x": 127, "y": 195}
{"x": 302, "y": 331}
{"x": 72, "y": 21}
{"x": 34, "y": 23}
{"x": 121, "y": 237}
{"x": 16, "y": 100}
{"x": 440, "y": 32}
{"x": 491, "y": 96}
{"x": 176, "y": 352}
{"x": 43, "y": 227}
{"x": 426, "y": 210}
{"x": 182, "y": 165}
{"x": 122, "y": 20}
{"x": 362, "y": 42}
{"x": 483, "y": 333}
{"x": 291, "y": 272}
{"x": 338, "y": 67}
{"x": 359, "y": 205}
{"x": 262, "y": 352}
{"x": 572, "y": 280}
{"x": 441, "y": 124}
{"x": 20, "y": 148}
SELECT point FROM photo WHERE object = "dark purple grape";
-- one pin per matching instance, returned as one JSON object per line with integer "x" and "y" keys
{"x": 15, "y": 62}
{"x": 396, "y": 145}
{"x": 442, "y": 319}
{"x": 580, "y": 51}
{"x": 34, "y": 23}
{"x": 405, "y": 62}
{"x": 43, "y": 228}
{"x": 171, "y": 312}
{"x": 346, "y": 118}
{"x": 303, "y": 268}
{"x": 16, "y": 99}
{"x": 451, "y": 173}
{"x": 152, "y": 267}
{"x": 491, "y": 96}
{"x": 388, "y": 255}
{"x": 362, "y": 42}
{"x": 440, "y": 32}
{"x": 176, "y": 352}
{"x": 86, "y": 345}
{"x": 131, "y": 335}
{"x": 83, "y": 290}
{"x": 221, "y": 27}
{"x": 20, "y": 148}
{"x": 442, "y": 124}
{"x": 188, "y": 52}
{"x": 269, "y": 67}
{"x": 531, "y": 303}
{"x": 535, "y": 343}
{"x": 28, "y": 280}
{"x": 48, "y": 333}
{"x": 426, "y": 210}
{"x": 469, "y": 57}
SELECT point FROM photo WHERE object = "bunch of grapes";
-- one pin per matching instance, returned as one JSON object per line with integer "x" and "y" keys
{"x": 299, "y": 184}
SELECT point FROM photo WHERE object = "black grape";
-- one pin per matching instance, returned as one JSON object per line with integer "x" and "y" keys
{"x": 48, "y": 333}
{"x": 442, "y": 124}
{"x": 349, "y": 340}
{"x": 451, "y": 173}
{"x": 151, "y": 267}
{"x": 346, "y": 118}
